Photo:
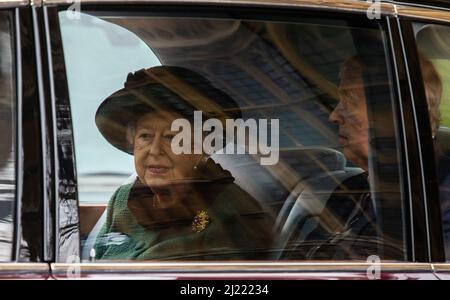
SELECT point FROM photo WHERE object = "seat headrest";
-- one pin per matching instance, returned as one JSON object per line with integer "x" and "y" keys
{"x": 315, "y": 160}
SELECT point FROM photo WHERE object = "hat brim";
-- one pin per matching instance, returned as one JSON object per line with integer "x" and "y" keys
{"x": 126, "y": 106}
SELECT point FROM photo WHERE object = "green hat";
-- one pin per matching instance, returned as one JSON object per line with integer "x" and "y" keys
{"x": 170, "y": 88}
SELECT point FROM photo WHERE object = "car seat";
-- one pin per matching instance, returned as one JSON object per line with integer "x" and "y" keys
{"x": 301, "y": 211}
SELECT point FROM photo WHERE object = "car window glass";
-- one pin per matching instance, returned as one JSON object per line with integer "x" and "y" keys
{"x": 434, "y": 50}
{"x": 233, "y": 139}
{"x": 7, "y": 139}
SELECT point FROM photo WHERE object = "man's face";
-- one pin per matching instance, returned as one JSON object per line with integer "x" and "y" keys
{"x": 351, "y": 116}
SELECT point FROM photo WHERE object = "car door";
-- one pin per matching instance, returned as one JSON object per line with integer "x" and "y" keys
{"x": 279, "y": 61}
{"x": 427, "y": 43}
{"x": 22, "y": 206}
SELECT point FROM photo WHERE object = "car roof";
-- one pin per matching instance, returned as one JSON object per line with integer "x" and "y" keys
{"x": 445, "y": 4}
{"x": 438, "y": 10}
{"x": 437, "y": 3}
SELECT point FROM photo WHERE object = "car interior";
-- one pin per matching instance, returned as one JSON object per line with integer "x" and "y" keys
{"x": 318, "y": 172}
{"x": 242, "y": 58}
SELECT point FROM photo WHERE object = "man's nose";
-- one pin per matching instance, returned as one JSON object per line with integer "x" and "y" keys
{"x": 335, "y": 116}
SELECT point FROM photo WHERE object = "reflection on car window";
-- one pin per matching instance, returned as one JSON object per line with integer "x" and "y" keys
{"x": 99, "y": 55}
{"x": 234, "y": 139}
{"x": 434, "y": 48}
{"x": 7, "y": 153}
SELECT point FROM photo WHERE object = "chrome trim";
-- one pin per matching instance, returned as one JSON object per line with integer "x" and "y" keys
{"x": 13, "y": 3}
{"x": 442, "y": 267}
{"x": 20, "y": 174}
{"x": 268, "y": 267}
{"x": 36, "y": 3}
{"x": 19, "y": 267}
{"x": 418, "y": 5}
{"x": 24, "y": 271}
{"x": 347, "y": 5}
{"x": 46, "y": 169}
{"x": 52, "y": 231}
{"x": 419, "y": 145}
{"x": 405, "y": 144}
{"x": 427, "y": 14}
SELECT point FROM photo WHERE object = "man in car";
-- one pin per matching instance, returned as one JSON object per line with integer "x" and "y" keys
{"x": 348, "y": 227}
{"x": 352, "y": 234}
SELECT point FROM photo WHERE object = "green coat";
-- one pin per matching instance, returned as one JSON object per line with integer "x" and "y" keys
{"x": 239, "y": 229}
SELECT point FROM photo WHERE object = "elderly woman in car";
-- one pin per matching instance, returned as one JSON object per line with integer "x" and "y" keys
{"x": 180, "y": 206}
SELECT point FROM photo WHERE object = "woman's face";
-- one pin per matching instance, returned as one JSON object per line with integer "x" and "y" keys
{"x": 155, "y": 163}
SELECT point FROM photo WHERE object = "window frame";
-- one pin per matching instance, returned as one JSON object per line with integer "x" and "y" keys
{"x": 28, "y": 170}
{"x": 433, "y": 205}
{"x": 412, "y": 199}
